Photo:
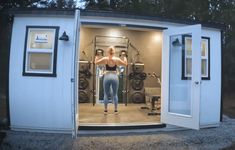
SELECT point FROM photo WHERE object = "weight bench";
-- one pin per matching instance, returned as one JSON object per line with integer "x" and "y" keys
{"x": 152, "y": 96}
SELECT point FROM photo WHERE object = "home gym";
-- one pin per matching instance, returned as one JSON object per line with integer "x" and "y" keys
{"x": 139, "y": 92}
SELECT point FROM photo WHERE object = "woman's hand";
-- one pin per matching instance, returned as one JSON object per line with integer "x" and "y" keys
{"x": 125, "y": 60}
{"x": 97, "y": 57}
{"x": 122, "y": 61}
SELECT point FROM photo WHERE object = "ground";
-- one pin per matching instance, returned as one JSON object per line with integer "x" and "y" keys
{"x": 210, "y": 138}
{"x": 229, "y": 105}
{"x": 222, "y": 137}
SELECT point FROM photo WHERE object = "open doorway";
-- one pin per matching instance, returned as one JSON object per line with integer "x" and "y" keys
{"x": 139, "y": 83}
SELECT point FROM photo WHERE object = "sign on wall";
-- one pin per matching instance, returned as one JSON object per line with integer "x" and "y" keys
{"x": 41, "y": 39}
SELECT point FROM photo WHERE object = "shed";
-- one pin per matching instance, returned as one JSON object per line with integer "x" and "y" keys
{"x": 54, "y": 85}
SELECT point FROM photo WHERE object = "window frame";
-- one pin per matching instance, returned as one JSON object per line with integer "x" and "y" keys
{"x": 206, "y": 57}
{"x": 52, "y": 51}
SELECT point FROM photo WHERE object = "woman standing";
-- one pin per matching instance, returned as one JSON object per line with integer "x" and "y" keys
{"x": 110, "y": 78}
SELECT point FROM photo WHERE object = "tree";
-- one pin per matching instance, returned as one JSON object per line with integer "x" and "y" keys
{"x": 96, "y": 4}
{"x": 7, "y": 4}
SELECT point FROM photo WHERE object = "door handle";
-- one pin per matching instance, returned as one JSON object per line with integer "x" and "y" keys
{"x": 196, "y": 82}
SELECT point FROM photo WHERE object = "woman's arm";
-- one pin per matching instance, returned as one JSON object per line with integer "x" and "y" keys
{"x": 121, "y": 62}
{"x": 99, "y": 60}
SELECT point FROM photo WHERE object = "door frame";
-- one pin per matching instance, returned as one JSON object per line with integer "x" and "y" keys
{"x": 75, "y": 74}
{"x": 85, "y": 22}
{"x": 167, "y": 117}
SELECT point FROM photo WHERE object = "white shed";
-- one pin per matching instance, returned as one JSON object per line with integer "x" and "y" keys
{"x": 54, "y": 85}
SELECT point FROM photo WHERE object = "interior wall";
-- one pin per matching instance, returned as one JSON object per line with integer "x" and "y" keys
{"x": 149, "y": 43}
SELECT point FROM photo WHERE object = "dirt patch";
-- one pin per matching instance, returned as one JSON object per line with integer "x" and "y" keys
{"x": 230, "y": 111}
{"x": 231, "y": 147}
{"x": 229, "y": 105}
{"x": 221, "y": 137}
{"x": 2, "y": 136}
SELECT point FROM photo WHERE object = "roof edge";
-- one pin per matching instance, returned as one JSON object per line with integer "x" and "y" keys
{"x": 111, "y": 13}
{"x": 131, "y": 15}
{"x": 41, "y": 11}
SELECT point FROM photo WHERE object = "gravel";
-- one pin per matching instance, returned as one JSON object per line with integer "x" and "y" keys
{"x": 222, "y": 137}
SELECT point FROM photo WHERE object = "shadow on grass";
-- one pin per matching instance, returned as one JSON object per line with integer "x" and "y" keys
{"x": 229, "y": 105}
{"x": 2, "y": 136}
{"x": 231, "y": 147}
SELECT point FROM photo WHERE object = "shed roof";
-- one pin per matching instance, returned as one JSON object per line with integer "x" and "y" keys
{"x": 111, "y": 13}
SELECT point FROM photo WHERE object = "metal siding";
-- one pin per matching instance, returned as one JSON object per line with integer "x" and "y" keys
{"x": 41, "y": 102}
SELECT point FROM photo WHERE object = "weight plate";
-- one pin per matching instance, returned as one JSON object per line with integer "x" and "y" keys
{"x": 131, "y": 76}
{"x": 143, "y": 75}
{"x": 138, "y": 67}
{"x": 138, "y": 97}
{"x": 83, "y": 97}
{"x": 88, "y": 74}
{"x": 83, "y": 67}
{"x": 83, "y": 83}
{"x": 137, "y": 84}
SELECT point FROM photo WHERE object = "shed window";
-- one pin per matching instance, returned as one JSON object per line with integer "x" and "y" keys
{"x": 187, "y": 58}
{"x": 40, "y": 51}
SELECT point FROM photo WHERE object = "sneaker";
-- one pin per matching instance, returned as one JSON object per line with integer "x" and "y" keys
{"x": 116, "y": 112}
{"x": 105, "y": 112}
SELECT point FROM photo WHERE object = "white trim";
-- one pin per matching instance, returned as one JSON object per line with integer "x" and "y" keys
{"x": 181, "y": 115}
{"x": 39, "y": 51}
{"x": 41, "y": 129}
{"x": 209, "y": 125}
{"x": 75, "y": 75}
{"x": 202, "y": 58}
{"x": 40, "y": 71}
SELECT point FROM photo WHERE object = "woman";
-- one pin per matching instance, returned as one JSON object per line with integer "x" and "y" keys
{"x": 110, "y": 77}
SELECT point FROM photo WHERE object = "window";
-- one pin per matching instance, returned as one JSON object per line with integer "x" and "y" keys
{"x": 187, "y": 58}
{"x": 40, "y": 52}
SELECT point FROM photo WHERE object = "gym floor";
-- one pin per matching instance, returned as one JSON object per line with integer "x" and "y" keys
{"x": 130, "y": 114}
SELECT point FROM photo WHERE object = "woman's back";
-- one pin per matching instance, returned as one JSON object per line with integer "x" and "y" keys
{"x": 111, "y": 64}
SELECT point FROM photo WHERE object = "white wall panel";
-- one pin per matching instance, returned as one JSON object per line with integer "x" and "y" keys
{"x": 41, "y": 102}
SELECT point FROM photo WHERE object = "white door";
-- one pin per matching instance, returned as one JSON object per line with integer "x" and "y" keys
{"x": 75, "y": 79}
{"x": 181, "y": 76}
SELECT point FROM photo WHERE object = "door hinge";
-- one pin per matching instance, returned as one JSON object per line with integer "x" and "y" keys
{"x": 72, "y": 80}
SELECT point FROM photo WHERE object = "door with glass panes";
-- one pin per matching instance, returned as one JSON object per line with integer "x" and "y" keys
{"x": 181, "y": 95}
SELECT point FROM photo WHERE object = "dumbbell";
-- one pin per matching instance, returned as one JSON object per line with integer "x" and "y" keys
{"x": 123, "y": 53}
{"x": 99, "y": 52}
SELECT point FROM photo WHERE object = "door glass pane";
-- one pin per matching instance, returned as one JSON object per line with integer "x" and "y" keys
{"x": 188, "y": 43}
{"x": 188, "y": 67}
{"x": 39, "y": 61}
{"x": 204, "y": 67}
{"x": 204, "y": 47}
{"x": 180, "y": 90}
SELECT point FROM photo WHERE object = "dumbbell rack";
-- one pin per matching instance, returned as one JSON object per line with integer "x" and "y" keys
{"x": 84, "y": 76}
{"x": 137, "y": 77}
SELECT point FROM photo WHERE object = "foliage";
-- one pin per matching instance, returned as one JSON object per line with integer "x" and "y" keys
{"x": 6, "y": 4}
